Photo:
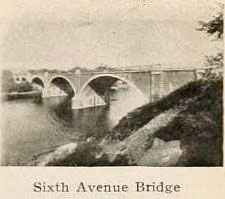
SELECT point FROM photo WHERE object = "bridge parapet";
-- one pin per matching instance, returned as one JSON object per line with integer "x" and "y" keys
{"x": 153, "y": 84}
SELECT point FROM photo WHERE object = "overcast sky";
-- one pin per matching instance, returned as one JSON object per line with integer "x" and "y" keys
{"x": 64, "y": 34}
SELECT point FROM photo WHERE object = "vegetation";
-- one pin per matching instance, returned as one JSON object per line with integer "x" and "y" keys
{"x": 24, "y": 86}
{"x": 100, "y": 68}
{"x": 104, "y": 68}
{"x": 214, "y": 28}
{"x": 93, "y": 157}
{"x": 215, "y": 61}
{"x": 142, "y": 115}
{"x": 198, "y": 126}
{"x": 9, "y": 85}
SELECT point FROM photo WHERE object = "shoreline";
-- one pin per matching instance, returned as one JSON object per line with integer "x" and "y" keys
{"x": 20, "y": 95}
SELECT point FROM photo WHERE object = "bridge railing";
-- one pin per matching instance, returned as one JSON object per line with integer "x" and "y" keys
{"x": 121, "y": 71}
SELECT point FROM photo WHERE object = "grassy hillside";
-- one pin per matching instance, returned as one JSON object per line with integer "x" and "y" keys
{"x": 198, "y": 126}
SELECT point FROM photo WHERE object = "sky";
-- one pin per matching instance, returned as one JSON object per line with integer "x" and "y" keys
{"x": 59, "y": 34}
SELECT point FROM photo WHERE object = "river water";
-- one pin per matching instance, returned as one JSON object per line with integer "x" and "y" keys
{"x": 36, "y": 126}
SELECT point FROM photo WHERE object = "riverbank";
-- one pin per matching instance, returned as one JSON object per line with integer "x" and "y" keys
{"x": 20, "y": 95}
{"x": 183, "y": 129}
{"x": 197, "y": 123}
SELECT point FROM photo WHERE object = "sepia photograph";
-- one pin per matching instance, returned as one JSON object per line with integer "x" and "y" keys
{"x": 139, "y": 83}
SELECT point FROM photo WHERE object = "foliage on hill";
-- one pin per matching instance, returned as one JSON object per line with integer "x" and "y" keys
{"x": 198, "y": 126}
{"x": 142, "y": 115}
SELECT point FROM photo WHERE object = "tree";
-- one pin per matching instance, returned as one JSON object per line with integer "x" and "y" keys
{"x": 214, "y": 28}
{"x": 216, "y": 61}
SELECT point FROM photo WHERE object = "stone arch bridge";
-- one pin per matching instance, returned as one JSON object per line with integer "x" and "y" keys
{"x": 90, "y": 89}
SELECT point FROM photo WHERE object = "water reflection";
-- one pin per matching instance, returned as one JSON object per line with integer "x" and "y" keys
{"x": 33, "y": 126}
{"x": 125, "y": 101}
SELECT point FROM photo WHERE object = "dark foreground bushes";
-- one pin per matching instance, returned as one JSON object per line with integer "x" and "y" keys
{"x": 181, "y": 97}
{"x": 198, "y": 126}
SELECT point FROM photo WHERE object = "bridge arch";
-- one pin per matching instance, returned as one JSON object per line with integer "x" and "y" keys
{"x": 129, "y": 83}
{"x": 63, "y": 83}
{"x": 37, "y": 81}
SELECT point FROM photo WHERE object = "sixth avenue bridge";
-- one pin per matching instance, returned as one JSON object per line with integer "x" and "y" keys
{"x": 91, "y": 89}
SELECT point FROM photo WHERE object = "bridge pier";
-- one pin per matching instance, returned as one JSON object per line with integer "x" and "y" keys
{"x": 44, "y": 93}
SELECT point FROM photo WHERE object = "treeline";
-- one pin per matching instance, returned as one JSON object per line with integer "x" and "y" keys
{"x": 75, "y": 69}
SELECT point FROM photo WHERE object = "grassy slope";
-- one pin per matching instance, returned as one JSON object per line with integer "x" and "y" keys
{"x": 198, "y": 126}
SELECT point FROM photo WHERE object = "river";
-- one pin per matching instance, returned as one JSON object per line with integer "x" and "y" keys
{"x": 35, "y": 126}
